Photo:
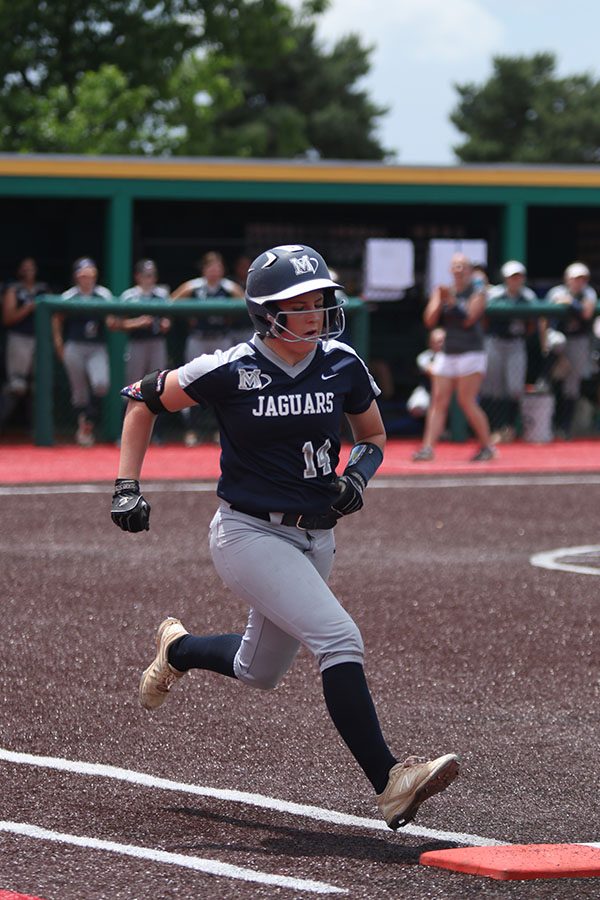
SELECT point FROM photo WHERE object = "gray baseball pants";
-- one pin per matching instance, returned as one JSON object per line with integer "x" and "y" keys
{"x": 506, "y": 369}
{"x": 87, "y": 366}
{"x": 20, "y": 351}
{"x": 578, "y": 351}
{"x": 145, "y": 355}
{"x": 281, "y": 573}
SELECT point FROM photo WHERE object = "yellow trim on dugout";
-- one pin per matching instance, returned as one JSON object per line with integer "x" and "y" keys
{"x": 275, "y": 171}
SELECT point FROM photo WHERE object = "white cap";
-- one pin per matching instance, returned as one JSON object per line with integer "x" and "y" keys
{"x": 513, "y": 267}
{"x": 577, "y": 270}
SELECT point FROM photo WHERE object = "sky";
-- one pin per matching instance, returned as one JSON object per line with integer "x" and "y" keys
{"x": 422, "y": 48}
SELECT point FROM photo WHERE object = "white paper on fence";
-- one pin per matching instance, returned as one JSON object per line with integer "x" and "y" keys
{"x": 441, "y": 251}
{"x": 389, "y": 268}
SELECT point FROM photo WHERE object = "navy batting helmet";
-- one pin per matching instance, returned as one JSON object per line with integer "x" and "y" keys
{"x": 283, "y": 273}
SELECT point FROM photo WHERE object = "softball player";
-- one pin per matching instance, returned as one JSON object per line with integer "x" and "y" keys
{"x": 506, "y": 349}
{"x": 147, "y": 348}
{"x": 580, "y": 299}
{"x": 79, "y": 344}
{"x": 18, "y": 305}
{"x": 147, "y": 342}
{"x": 280, "y": 399}
{"x": 209, "y": 332}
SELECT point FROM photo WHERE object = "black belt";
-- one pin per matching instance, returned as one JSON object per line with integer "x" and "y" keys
{"x": 306, "y": 521}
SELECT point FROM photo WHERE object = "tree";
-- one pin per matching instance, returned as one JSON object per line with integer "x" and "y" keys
{"x": 525, "y": 113}
{"x": 54, "y": 45}
{"x": 296, "y": 97}
{"x": 194, "y": 77}
{"x": 101, "y": 112}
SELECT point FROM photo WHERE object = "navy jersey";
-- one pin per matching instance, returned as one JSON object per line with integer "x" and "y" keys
{"x": 201, "y": 290}
{"x": 573, "y": 323}
{"x": 25, "y": 297}
{"x": 280, "y": 424}
{"x": 82, "y": 327}
{"x": 498, "y": 297}
{"x": 149, "y": 331}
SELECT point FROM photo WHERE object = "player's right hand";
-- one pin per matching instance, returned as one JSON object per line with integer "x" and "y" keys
{"x": 349, "y": 489}
{"x": 129, "y": 510}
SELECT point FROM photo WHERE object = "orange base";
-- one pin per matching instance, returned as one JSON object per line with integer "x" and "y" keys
{"x": 519, "y": 862}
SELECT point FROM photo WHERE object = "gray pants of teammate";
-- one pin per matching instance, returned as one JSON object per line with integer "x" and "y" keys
{"x": 87, "y": 367}
{"x": 197, "y": 343}
{"x": 281, "y": 573}
{"x": 506, "y": 368}
{"x": 579, "y": 353}
{"x": 145, "y": 355}
{"x": 20, "y": 350}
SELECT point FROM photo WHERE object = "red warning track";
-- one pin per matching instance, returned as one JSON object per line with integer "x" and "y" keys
{"x": 10, "y": 895}
{"x": 26, "y": 464}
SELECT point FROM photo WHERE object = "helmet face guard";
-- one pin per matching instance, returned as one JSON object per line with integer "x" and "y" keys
{"x": 282, "y": 322}
{"x": 284, "y": 273}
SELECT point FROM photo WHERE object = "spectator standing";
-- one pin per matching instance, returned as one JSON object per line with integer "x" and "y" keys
{"x": 506, "y": 348}
{"x": 461, "y": 364}
{"x": 18, "y": 306}
{"x": 79, "y": 341}
{"x": 209, "y": 332}
{"x": 580, "y": 299}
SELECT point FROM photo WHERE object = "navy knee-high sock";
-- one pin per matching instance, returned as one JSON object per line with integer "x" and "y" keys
{"x": 353, "y": 713}
{"x": 214, "y": 652}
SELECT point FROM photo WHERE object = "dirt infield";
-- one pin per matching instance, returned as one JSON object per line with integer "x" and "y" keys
{"x": 469, "y": 648}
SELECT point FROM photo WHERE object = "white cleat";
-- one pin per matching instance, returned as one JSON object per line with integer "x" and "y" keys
{"x": 159, "y": 677}
{"x": 411, "y": 783}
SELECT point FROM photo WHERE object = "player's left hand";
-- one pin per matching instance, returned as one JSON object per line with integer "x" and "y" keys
{"x": 129, "y": 509}
{"x": 349, "y": 489}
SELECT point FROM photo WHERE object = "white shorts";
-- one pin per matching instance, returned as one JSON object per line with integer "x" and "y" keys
{"x": 457, "y": 365}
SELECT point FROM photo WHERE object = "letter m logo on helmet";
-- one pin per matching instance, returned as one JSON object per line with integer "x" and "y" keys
{"x": 305, "y": 265}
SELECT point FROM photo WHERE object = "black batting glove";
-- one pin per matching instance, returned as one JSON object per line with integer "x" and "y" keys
{"x": 129, "y": 510}
{"x": 349, "y": 489}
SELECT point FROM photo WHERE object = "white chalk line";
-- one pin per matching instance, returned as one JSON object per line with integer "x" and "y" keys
{"x": 198, "y": 863}
{"x": 381, "y": 482}
{"x": 209, "y": 866}
{"x": 100, "y": 770}
{"x": 178, "y": 487}
{"x": 213, "y": 867}
{"x": 551, "y": 559}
